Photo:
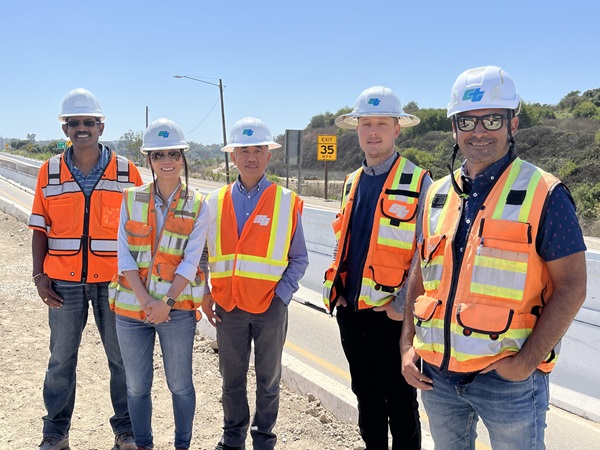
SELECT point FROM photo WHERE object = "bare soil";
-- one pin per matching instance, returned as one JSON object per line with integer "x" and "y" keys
{"x": 24, "y": 336}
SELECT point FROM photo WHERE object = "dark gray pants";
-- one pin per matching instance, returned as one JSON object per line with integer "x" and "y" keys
{"x": 235, "y": 333}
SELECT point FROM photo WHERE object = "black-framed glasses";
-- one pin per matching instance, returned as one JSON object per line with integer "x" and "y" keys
{"x": 174, "y": 155}
{"x": 491, "y": 122}
{"x": 86, "y": 123}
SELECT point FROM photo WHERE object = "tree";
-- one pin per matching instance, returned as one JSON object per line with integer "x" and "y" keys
{"x": 570, "y": 101}
{"x": 585, "y": 109}
{"x": 31, "y": 136}
{"x": 411, "y": 107}
{"x": 593, "y": 95}
{"x": 130, "y": 144}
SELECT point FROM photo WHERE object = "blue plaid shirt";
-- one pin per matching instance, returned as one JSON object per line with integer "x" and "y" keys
{"x": 88, "y": 182}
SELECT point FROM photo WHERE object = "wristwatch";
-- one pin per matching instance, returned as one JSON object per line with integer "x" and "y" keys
{"x": 170, "y": 301}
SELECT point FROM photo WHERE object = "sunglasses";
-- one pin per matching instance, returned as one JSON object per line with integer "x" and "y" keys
{"x": 86, "y": 123}
{"x": 492, "y": 122}
{"x": 159, "y": 156}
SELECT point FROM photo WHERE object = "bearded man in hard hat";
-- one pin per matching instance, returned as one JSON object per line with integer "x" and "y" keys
{"x": 376, "y": 232}
{"x": 75, "y": 218}
{"x": 256, "y": 255}
{"x": 502, "y": 276}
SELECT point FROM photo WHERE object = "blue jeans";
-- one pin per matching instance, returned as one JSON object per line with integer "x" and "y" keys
{"x": 514, "y": 412}
{"x": 235, "y": 333}
{"x": 137, "y": 339}
{"x": 66, "y": 328}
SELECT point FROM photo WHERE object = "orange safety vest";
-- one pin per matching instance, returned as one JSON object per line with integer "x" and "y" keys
{"x": 82, "y": 238}
{"x": 392, "y": 241}
{"x": 465, "y": 321}
{"x": 245, "y": 270}
{"x": 159, "y": 255}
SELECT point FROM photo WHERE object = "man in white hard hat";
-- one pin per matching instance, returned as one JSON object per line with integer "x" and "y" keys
{"x": 377, "y": 230}
{"x": 502, "y": 276}
{"x": 75, "y": 218}
{"x": 257, "y": 256}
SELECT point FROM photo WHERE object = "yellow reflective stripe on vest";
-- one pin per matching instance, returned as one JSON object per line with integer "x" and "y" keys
{"x": 279, "y": 243}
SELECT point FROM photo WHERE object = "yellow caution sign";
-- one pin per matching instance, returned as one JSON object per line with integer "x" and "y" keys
{"x": 326, "y": 148}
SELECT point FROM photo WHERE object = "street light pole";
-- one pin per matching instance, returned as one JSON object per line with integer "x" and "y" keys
{"x": 220, "y": 86}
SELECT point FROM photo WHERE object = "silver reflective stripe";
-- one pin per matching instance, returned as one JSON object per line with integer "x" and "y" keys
{"x": 280, "y": 245}
{"x": 373, "y": 295}
{"x": 122, "y": 169}
{"x": 54, "y": 170}
{"x": 396, "y": 233}
{"x": 221, "y": 266}
{"x": 64, "y": 244}
{"x": 432, "y": 271}
{"x": 103, "y": 245}
{"x": 521, "y": 183}
{"x": 270, "y": 268}
{"x": 429, "y": 335}
{"x": 494, "y": 278}
{"x": 435, "y": 213}
{"x": 68, "y": 187}
{"x": 110, "y": 185}
{"x": 36, "y": 220}
{"x": 171, "y": 244}
{"x": 481, "y": 345}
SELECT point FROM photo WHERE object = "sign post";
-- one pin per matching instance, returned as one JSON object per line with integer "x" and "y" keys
{"x": 326, "y": 151}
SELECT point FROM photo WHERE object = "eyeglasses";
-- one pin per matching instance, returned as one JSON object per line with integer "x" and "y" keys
{"x": 159, "y": 156}
{"x": 86, "y": 123}
{"x": 491, "y": 122}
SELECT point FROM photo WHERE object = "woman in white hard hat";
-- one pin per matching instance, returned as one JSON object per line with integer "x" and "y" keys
{"x": 159, "y": 286}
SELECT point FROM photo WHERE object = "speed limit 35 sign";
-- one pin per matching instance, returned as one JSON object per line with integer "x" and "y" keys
{"x": 326, "y": 148}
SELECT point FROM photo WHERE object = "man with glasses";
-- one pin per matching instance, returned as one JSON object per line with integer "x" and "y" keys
{"x": 502, "y": 276}
{"x": 75, "y": 218}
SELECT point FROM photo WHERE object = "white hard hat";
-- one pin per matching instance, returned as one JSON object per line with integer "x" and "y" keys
{"x": 487, "y": 87}
{"x": 377, "y": 101}
{"x": 163, "y": 134}
{"x": 248, "y": 132}
{"x": 80, "y": 102}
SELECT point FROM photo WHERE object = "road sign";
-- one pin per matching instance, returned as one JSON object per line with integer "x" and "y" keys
{"x": 61, "y": 145}
{"x": 326, "y": 148}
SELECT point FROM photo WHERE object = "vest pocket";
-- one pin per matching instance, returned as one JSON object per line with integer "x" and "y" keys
{"x": 487, "y": 330}
{"x": 137, "y": 229}
{"x": 387, "y": 279}
{"x": 60, "y": 212}
{"x": 427, "y": 333}
{"x": 501, "y": 259}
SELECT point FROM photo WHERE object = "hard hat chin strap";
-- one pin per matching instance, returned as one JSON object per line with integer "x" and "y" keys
{"x": 450, "y": 167}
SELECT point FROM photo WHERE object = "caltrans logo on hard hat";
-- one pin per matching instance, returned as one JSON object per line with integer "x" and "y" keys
{"x": 163, "y": 134}
{"x": 377, "y": 101}
{"x": 249, "y": 132}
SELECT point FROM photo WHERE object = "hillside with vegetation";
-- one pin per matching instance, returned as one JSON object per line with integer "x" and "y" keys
{"x": 563, "y": 139}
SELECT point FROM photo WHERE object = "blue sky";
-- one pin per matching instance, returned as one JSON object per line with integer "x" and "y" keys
{"x": 282, "y": 61}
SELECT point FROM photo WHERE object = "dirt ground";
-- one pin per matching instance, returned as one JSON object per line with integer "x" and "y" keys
{"x": 303, "y": 423}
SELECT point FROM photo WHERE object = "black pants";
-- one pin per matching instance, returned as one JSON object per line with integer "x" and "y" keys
{"x": 371, "y": 342}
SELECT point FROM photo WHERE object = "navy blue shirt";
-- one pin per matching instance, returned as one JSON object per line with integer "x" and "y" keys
{"x": 559, "y": 234}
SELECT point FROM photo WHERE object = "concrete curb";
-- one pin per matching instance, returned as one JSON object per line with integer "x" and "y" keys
{"x": 15, "y": 210}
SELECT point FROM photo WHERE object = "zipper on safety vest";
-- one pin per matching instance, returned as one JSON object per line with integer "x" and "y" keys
{"x": 451, "y": 294}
